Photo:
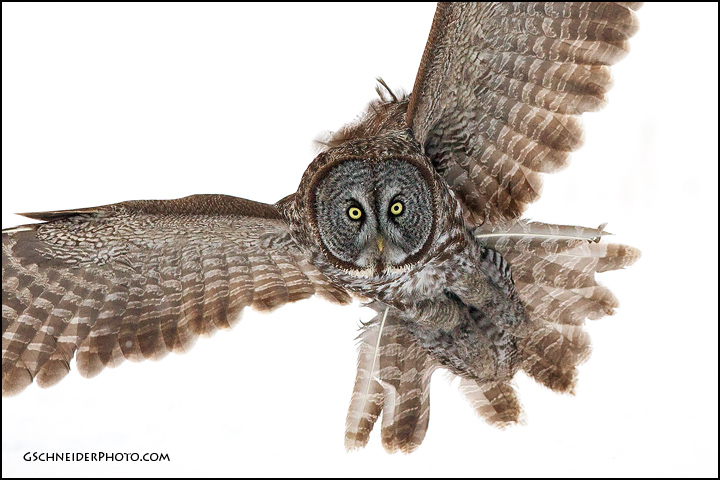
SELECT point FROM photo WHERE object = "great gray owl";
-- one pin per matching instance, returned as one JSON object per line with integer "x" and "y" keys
{"x": 415, "y": 209}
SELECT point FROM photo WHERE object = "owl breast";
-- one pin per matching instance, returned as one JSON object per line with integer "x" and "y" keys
{"x": 468, "y": 314}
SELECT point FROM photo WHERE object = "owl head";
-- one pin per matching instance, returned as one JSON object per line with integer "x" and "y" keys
{"x": 373, "y": 206}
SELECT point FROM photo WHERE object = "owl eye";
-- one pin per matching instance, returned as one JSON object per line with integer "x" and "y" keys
{"x": 355, "y": 213}
{"x": 397, "y": 208}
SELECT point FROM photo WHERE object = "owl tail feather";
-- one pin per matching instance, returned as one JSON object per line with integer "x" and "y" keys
{"x": 393, "y": 377}
{"x": 551, "y": 357}
{"x": 368, "y": 393}
{"x": 553, "y": 268}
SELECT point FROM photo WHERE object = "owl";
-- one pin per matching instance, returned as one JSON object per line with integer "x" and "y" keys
{"x": 415, "y": 208}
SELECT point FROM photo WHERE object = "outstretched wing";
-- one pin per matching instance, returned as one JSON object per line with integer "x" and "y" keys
{"x": 500, "y": 88}
{"x": 140, "y": 279}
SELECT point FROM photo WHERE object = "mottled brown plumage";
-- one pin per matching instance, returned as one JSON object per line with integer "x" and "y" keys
{"x": 414, "y": 208}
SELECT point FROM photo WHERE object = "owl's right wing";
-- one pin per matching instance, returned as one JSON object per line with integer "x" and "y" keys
{"x": 136, "y": 280}
{"x": 500, "y": 89}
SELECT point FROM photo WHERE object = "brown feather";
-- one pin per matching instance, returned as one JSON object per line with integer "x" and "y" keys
{"x": 399, "y": 387}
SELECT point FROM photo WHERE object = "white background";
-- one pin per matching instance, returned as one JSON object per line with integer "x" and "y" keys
{"x": 106, "y": 103}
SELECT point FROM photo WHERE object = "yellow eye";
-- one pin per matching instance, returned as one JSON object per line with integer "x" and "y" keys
{"x": 396, "y": 208}
{"x": 354, "y": 213}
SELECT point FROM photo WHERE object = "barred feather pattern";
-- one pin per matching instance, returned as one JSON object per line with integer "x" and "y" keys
{"x": 500, "y": 88}
{"x": 393, "y": 377}
{"x": 494, "y": 402}
{"x": 495, "y": 105}
{"x": 138, "y": 280}
{"x": 554, "y": 269}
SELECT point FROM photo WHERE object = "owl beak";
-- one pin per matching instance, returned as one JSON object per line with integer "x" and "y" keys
{"x": 380, "y": 244}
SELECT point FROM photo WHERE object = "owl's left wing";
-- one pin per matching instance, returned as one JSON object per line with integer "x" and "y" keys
{"x": 136, "y": 280}
{"x": 500, "y": 89}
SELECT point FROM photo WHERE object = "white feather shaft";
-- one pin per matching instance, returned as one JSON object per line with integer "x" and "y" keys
{"x": 375, "y": 352}
{"x": 538, "y": 235}
{"x": 542, "y": 231}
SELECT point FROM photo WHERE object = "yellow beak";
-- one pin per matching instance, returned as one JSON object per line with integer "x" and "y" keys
{"x": 380, "y": 244}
